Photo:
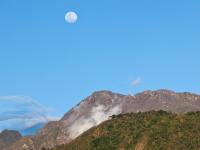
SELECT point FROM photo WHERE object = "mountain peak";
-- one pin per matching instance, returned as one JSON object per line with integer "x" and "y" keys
{"x": 8, "y": 137}
{"x": 100, "y": 105}
{"x": 102, "y": 92}
{"x": 164, "y": 91}
{"x": 9, "y": 132}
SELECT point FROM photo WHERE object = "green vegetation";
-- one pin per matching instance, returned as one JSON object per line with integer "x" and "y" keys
{"x": 142, "y": 131}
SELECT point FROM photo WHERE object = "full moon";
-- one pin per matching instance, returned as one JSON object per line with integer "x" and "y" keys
{"x": 71, "y": 17}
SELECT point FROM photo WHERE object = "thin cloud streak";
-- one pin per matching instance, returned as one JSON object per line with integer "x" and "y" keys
{"x": 21, "y": 112}
{"x": 136, "y": 81}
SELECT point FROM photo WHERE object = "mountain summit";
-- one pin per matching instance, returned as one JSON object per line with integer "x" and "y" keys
{"x": 8, "y": 137}
{"x": 98, "y": 108}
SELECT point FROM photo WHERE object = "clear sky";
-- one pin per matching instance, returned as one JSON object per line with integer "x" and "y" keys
{"x": 123, "y": 46}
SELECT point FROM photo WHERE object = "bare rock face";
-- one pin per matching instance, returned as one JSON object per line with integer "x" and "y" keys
{"x": 100, "y": 106}
{"x": 8, "y": 137}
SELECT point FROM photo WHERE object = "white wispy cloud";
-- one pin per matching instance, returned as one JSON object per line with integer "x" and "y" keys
{"x": 133, "y": 83}
{"x": 21, "y": 112}
{"x": 136, "y": 81}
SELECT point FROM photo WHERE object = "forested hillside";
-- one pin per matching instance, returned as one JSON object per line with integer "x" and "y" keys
{"x": 142, "y": 131}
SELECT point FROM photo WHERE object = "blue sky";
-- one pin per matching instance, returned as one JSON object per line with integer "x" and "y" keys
{"x": 113, "y": 43}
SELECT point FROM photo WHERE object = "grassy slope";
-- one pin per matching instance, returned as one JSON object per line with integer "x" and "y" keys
{"x": 142, "y": 131}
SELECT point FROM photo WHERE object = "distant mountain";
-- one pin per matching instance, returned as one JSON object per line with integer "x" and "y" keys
{"x": 142, "y": 131}
{"x": 99, "y": 107}
{"x": 8, "y": 137}
{"x": 32, "y": 130}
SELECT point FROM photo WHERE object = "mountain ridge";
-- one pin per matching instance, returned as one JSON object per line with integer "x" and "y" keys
{"x": 100, "y": 105}
{"x": 8, "y": 137}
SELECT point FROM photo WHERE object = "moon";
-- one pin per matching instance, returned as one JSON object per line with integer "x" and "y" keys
{"x": 71, "y": 17}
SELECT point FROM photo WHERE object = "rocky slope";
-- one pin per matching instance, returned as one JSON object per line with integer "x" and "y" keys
{"x": 8, "y": 137}
{"x": 100, "y": 106}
